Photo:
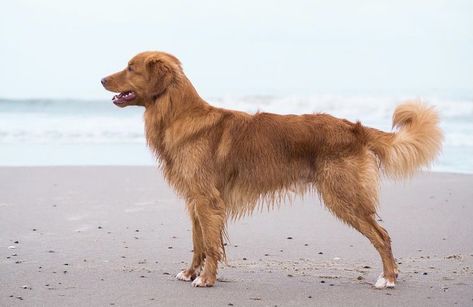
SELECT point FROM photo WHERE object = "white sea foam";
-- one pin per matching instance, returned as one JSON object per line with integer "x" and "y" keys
{"x": 68, "y": 128}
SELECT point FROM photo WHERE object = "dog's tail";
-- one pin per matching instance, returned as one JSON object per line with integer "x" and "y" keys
{"x": 416, "y": 144}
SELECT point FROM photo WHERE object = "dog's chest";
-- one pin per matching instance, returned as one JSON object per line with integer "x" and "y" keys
{"x": 187, "y": 165}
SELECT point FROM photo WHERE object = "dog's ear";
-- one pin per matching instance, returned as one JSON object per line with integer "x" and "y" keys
{"x": 160, "y": 74}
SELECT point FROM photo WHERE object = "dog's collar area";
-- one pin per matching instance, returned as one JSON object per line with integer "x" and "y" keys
{"x": 156, "y": 97}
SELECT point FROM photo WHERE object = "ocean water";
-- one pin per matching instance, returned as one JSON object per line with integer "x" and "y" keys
{"x": 72, "y": 132}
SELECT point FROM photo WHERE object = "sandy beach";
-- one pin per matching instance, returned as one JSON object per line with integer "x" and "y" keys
{"x": 101, "y": 236}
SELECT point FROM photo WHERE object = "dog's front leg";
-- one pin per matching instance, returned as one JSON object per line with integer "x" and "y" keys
{"x": 210, "y": 212}
{"x": 198, "y": 253}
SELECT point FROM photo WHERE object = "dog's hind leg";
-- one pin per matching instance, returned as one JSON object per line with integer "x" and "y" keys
{"x": 210, "y": 212}
{"x": 198, "y": 253}
{"x": 351, "y": 194}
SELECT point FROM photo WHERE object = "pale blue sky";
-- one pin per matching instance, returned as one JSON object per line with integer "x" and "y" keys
{"x": 61, "y": 49}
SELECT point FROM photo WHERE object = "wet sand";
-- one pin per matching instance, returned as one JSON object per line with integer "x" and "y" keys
{"x": 101, "y": 236}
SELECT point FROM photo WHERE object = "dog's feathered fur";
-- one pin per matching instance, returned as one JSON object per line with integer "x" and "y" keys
{"x": 225, "y": 163}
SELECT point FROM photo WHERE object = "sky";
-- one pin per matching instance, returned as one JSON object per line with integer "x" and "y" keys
{"x": 61, "y": 49}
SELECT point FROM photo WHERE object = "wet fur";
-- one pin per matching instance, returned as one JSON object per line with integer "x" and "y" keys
{"x": 226, "y": 163}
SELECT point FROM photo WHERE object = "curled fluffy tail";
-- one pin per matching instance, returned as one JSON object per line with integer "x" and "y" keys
{"x": 416, "y": 144}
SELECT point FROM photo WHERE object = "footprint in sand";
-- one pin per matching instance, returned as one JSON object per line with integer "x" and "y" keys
{"x": 140, "y": 206}
{"x": 76, "y": 217}
{"x": 83, "y": 228}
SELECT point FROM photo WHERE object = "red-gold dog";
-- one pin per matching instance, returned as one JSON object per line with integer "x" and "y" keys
{"x": 225, "y": 163}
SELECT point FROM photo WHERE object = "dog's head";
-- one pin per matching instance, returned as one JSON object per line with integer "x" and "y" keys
{"x": 147, "y": 76}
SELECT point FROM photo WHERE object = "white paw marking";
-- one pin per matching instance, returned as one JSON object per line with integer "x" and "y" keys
{"x": 182, "y": 276}
{"x": 382, "y": 283}
{"x": 198, "y": 282}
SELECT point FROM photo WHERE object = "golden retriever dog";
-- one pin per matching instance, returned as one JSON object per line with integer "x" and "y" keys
{"x": 226, "y": 163}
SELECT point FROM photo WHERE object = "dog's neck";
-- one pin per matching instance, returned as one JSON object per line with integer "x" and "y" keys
{"x": 178, "y": 102}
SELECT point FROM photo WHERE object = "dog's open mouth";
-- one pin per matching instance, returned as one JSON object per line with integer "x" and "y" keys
{"x": 123, "y": 98}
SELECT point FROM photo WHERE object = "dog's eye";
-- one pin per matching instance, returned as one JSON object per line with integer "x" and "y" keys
{"x": 129, "y": 68}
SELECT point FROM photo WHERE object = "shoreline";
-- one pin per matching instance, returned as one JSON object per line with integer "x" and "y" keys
{"x": 144, "y": 165}
{"x": 105, "y": 235}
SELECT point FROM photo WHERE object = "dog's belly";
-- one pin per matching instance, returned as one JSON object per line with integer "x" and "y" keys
{"x": 253, "y": 185}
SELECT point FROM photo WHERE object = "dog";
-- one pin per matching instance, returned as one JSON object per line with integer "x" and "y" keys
{"x": 226, "y": 163}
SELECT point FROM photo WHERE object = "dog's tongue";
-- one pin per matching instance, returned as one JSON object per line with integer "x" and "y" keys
{"x": 123, "y": 97}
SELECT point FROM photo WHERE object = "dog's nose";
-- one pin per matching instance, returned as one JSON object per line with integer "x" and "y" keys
{"x": 103, "y": 81}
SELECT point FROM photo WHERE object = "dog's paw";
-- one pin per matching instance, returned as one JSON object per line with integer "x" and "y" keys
{"x": 203, "y": 282}
{"x": 382, "y": 283}
{"x": 185, "y": 276}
